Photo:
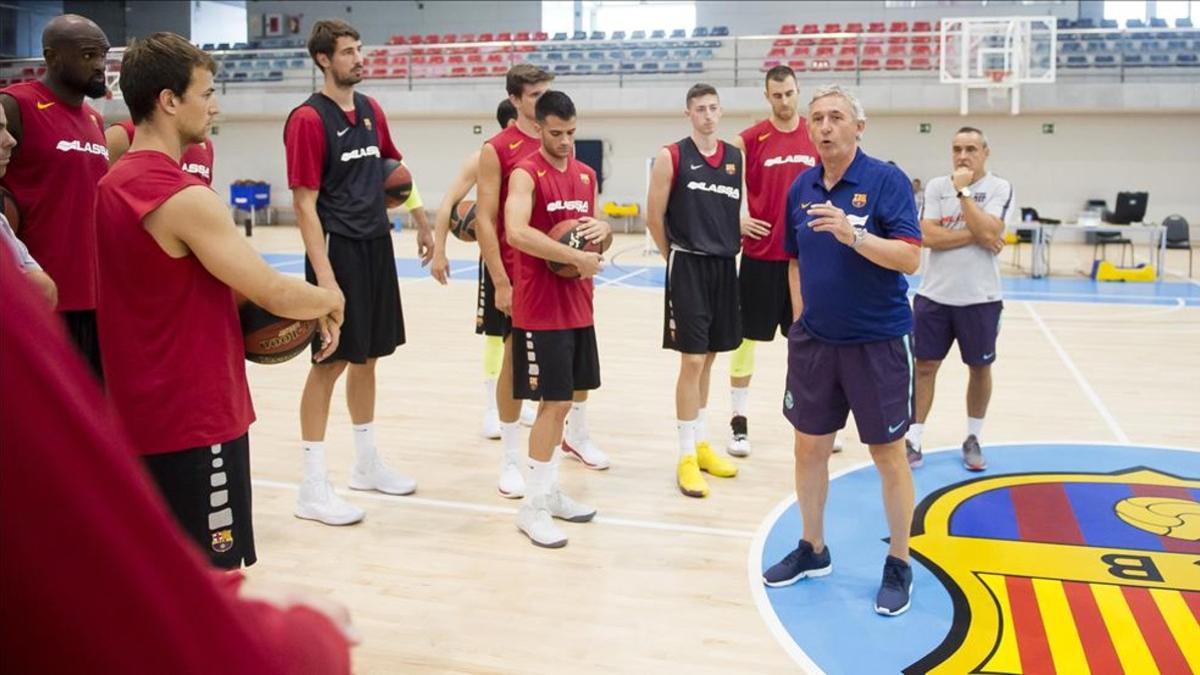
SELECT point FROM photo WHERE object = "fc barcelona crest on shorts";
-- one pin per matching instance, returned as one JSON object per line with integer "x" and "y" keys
{"x": 860, "y": 200}
{"x": 533, "y": 383}
{"x": 585, "y": 178}
{"x": 731, "y": 169}
{"x": 222, "y": 540}
{"x": 367, "y": 122}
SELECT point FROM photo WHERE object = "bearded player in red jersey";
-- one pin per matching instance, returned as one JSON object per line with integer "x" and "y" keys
{"x": 553, "y": 340}
{"x": 777, "y": 150}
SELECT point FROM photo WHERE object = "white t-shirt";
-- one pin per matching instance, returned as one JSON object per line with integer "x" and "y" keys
{"x": 970, "y": 274}
{"x": 24, "y": 260}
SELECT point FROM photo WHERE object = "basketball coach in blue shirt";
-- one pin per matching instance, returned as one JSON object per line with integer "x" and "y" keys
{"x": 853, "y": 234}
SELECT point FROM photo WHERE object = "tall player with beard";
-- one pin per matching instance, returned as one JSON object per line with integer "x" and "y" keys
{"x": 777, "y": 150}
{"x": 555, "y": 356}
{"x": 525, "y": 83}
{"x": 59, "y": 159}
{"x": 693, "y": 213}
{"x": 336, "y": 142}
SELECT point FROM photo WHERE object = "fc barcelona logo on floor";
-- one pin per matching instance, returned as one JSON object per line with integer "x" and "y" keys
{"x": 860, "y": 200}
{"x": 1069, "y": 572}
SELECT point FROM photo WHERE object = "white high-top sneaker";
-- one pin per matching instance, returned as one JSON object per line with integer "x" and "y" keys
{"x": 565, "y": 508}
{"x": 375, "y": 475}
{"x": 512, "y": 481}
{"x": 533, "y": 518}
{"x": 317, "y": 501}
{"x": 587, "y": 452}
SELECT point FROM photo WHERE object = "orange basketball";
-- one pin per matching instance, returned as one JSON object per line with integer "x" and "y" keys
{"x": 462, "y": 220}
{"x": 566, "y": 232}
{"x": 271, "y": 339}
{"x": 397, "y": 183}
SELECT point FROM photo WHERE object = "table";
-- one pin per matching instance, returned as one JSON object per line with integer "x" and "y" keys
{"x": 1043, "y": 234}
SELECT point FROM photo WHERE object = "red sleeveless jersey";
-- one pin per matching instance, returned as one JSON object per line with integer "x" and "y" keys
{"x": 773, "y": 160}
{"x": 542, "y": 300}
{"x": 173, "y": 349}
{"x": 197, "y": 157}
{"x": 512, "y": 146}
{"x": 53, "y": 176}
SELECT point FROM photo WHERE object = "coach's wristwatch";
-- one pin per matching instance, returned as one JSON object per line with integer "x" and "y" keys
{"x": 860, "y": 233}
{"x": 964, "y": 193}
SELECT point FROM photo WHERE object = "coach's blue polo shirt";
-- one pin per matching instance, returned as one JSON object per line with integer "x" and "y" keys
{"x": 847, "y": 298}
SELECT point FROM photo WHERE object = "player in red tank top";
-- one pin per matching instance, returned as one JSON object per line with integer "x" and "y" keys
{"x": 777, "y": 150}
{"x": 59, "y": 158}
{"x": 555, "y": 360}
{"x": 169, "y": 254}
{"x": 197, "y": 158}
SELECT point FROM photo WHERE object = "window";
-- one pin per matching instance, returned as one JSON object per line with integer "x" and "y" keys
{"x": 1177, "y": 9}
{"x": 558, "y": 16}
{"x": 216, "y": 22}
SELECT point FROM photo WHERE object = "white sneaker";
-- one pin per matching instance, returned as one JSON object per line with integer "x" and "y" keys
{"x": 528, "y": 413}
{"x": 317, "y": 501}
{"x": 565, "y": 508}
{"x": 533, "y": 518}
{"x": 491, "y": 424}
{"x": 379, "y": 477}
{"x": 739, "y": 437}
{"x": 512, "y": 483}
{"x": 837, "y": 442}
{"x": 586, "y": 452}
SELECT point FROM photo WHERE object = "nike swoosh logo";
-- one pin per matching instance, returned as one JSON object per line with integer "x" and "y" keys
{"x": 988, "y": 356}
{"x": 513, "y": 146}
{"x": 763, "y": 137}
{"x": 695, "y": 166}
{"x": 343, "y": 132}
{"x": 805, "y": 205}
{"x": 894, "y": 429}
{"x": 43, "y": 106}
{"x": 541, "y": 173}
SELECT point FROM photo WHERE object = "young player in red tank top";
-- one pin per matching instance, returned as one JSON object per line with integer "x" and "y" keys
{"x": 169, "y": 255}
{"x": 777, "y": 150}
{"x": 555, "y": 359}
{"x": 197, "y": 158}
{"x": 59, "y": 158}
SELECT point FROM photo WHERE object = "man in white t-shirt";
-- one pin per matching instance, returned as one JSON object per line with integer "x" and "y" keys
{"x": 962, "y": 223}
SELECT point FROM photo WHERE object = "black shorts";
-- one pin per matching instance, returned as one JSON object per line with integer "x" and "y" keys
{"x": 208, "y": 491}
{"x": 701, "y": 311}
{"x": 365, "y": 270}
{"x": 488, "y": 319}
{"x": 551, "y": 365}
{"x": 766, "y": 300}
{"x": 81, "y": 326}
{"x": 974, "y": 327}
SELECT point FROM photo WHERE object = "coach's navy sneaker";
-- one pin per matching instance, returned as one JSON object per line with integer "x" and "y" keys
{"x": 895, "y": 592}
{"x": 973, "y": 455}
{"x": 798, "y": 564}
{"x": 915, "y": 458}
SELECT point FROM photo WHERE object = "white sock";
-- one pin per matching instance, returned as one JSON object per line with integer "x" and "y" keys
{"x": 914, "y": 434}
{"x": 489, "y": 395}
{"x": 314, "y": 459}
{"x": 975, "y": 427}
{"x": 702, "y": 425}
{"x": 364, "y": 443}
{"x": 740, "y": 397}
{"x": 576, "y": 427}
{"x": 541, "y": 478}
{"x": 510, "y": 438}
{"x": 687, "y": 437}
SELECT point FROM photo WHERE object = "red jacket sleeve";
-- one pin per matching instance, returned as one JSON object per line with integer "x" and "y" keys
{"x": 94, "y": 570}
{"x": 304, "y": 140}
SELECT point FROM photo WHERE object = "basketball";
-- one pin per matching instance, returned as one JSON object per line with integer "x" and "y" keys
{"x": 9, "y": 204}
{"x": 462, "y": 220}
{"x": 271, "y": 339}
{"x": 566, "y": 232}
{"x": 397, "y": 183}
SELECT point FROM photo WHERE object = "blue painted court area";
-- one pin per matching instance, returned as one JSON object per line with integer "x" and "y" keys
{"x": 1163, "y": 293}
{"x": 831, "y": 620}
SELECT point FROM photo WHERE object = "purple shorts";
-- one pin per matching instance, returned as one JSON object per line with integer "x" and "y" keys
{"x": 936, "y": 326}
{"x": 826, "y": 381}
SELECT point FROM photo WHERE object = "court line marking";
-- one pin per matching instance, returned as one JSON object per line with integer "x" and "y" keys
{"x": 1088, "y": 391}
{"x": 510, "y": 511}
{"x": 623, "y": 277}
{"x": 758, "y": 591}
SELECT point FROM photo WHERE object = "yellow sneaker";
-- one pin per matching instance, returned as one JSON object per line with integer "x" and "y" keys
{"x": 713, "y": 463}
{"x": 689, "y": 479}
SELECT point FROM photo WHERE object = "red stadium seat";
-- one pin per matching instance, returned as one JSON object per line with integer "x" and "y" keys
{"x": 504, "y": 37}
{"x": 848, "y": 50}
{"x": 486, "y": 37}
{"x": 844, "y": 64}
{"x": 399, "y": 60}
{"x": 876, "y": 27}
{"x": 414, "y": 39}
{"x": 783, "y": 42}
{"x": 499, "y": 70}
{"x": 832, "y": 28}
{"x": 396, "y": 40}
{"x": 540, "y": 36}
{"x": 922, "y": 50}
{"x": 788, "y": 29}
{"x": 458, "y": 71}
{"x": 810, "y": 28}
{"x": 436, "y": 60}
{"x": 449, "y": 38}
{"x": 777, "y": 53}
{"x": 800, "y": 65}
{"x": 898, "y": 27}
{"x": 399, "y": 73}
{"x": 921, "y": 63}
{"x": 455, "y": 59}
{"x": 804, "y": 51}
{"x": 824, "y": 51}
{"x": 522, "y": 36}
{"x": 894, "y": 63}
{"x": 433, "y": 50}
{"x": 897, "y": 50}
{"x": 479, "y": 71}
{"x": 432, "y": 39}
{"x": 418, "y": 60}
{"x": 870, "y": 64}
{"x": 769, "y": 64}
{"x": 872, "y": 50}
{"x": 495, "y": 57}
{"x": 855, "y": 27}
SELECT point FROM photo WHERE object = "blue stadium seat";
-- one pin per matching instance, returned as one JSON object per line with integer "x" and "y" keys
{"x": 559, "y": 36}
{"x": 1095, "y": 46}
{"x": 616, "y": 55}
{"x": 1134, "y": 61}
{"x": 649, "y": 67}
{"x": 694, "y": 66}
{"x": 298, "y": 63}
{"x": 1063, "y": 23}
{"x": 681, "y": 54}
{"x": 638, "y": 35}
{"x": 1177, "y": 45}
{"x": 606, "y": 68}
{"x": 660, "y": 54}
{"x": 638, "y": 54}
{"x": 1134, "y": 23}
{"x": 595, "y": 55}
{"x": 1105, "y": 61}
{"x": 618, "y": 35}
{"x": 579, "y": 35}
{"x": 1156, "y": 22}
{"x": 241, "y": 46}
{"x": 699, "y": 31}
{"x": 678, "y": 33}
{"x": 1109, "y": 23}
{"x": 583, "y": 69}
{"x": 672, "y": 67}
{"x": 562, "y": 68}
{"x": 704, "y": 54}
{"x": 208, "y": 47}
{"x": 575, "y": 55}
{"x": 597, "y": 35}
{"x": 719, "y": 31}
{"x": 658, "y": 35}
{"x": 223, "y": 46}
{"x": 1190, "y": 60}
{"x": 1077, "y": 62}
{"x": 1160, "y": 60}
{"x": 241, "y": 75}
{"x": 554, "y": 56}
{"x": 1071, "y": 47}
{"x": 628, "y": 67}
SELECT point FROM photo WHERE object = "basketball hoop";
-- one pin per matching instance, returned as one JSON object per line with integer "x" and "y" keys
{"x": 997, "y": 76}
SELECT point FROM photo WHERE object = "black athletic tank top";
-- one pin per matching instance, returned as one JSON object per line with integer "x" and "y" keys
{"x": 704, "y": 210}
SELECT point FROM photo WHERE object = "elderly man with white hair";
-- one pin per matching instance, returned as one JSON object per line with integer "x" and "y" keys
{"x": 853, "y": 233}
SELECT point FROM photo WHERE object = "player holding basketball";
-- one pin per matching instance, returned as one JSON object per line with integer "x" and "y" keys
{"x": 197, "y": 159}
{"x": 488, "y": 321}
{"x": 59, "y": 158}
{"x": 959, "y": 298}
{"x": 336, "y": 142}
{"x": 555, "y": 352}
{"x": 693, "y": 214}
{"x": 174, "y": 352}
{"x": 525, "y": 83}
{"x": 852, "y": 227}
{"x": 777, "y": 150}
